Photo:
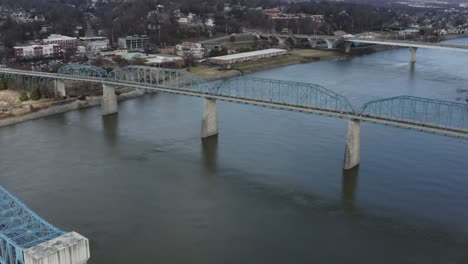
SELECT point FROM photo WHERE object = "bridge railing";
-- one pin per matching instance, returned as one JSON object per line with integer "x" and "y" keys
{"x": 286, "y": 93}
{"x": 420, "y": 111}
{"x": 403, "y": 109}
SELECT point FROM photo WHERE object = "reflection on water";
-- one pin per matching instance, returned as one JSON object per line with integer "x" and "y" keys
{"x": 210, "y": 153}
{"x": 110, "y": 125}
{"x": 349, "y": 189}
{"x": 269, "y": 189}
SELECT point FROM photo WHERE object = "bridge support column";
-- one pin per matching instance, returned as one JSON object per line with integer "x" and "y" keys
{"x": 59, "y": 87}
{"x": 329, "y": 44}
{"x": 348, "y": 47}
{"x": 313, "y": 43}
{"x": 413, "y": 54}
{"x": 353, "y": 145}
{"x": 281, "y": 41}
{"x": 109, "y": 100}
{"x": 70, "y": 248}
{"x": 210, "y": 119}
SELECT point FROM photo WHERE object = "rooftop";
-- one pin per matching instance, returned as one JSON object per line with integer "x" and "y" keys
{"x": 248, "y": 54}
{"x": 92, "y": 38}
{"x": 56, "y": 37}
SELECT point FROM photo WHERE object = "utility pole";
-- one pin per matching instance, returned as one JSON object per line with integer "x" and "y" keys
{"x": 159, "y": 34}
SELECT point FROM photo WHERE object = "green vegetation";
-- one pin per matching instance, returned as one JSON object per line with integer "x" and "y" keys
{"x": 6, "y": 83}
{"x": 23, "y": 96}
{"x": 35, "y": 93}
{"x": 209, "y": 73}
{"x": 293, "y": 57}
{"x": 216, "y": 52}
{"x": 232, "y": 38}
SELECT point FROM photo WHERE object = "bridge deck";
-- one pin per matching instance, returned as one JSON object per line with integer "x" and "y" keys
{"x": 402, "y": 123}
{"x": 412, "y": 44}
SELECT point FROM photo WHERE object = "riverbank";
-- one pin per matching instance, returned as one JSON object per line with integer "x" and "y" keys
{"x": 211, "y": 73}
{"x": 33, "y": 110}
{"x": 293, "y": 57}
{"x": 63, "y": 106}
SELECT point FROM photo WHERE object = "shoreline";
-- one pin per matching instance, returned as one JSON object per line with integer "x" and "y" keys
{"x": 63, "y": 107}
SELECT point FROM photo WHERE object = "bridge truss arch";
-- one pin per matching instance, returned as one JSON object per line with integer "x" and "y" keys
{"x": 286, "y": 93}
{"x": 20, "y": 228}
{"x": 160, "y": 77}
{"x": 84, "y": 71}
{"x": 421, "y": 111}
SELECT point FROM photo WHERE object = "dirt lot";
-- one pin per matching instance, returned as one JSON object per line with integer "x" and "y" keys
{"x": 11, "y": 105}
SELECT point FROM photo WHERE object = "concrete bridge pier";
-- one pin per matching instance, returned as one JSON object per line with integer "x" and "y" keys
{"x": 329, "y": 44}
{"x": 413, "y": 54}
{"x": 348, "y": 47}
{"x": 70, "y": 248}
{"x": 353, "y": 145}
{"x": 210, "y": 119}
{"x": 313, "y": 43}
{"x": 109, "y": 100}
{"x": 59, "y": 87}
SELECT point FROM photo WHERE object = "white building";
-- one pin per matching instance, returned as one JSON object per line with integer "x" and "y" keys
{"x": 37, "y": 51}
{"x": 183, "y": 20}
{"x": 22, "y": 17}
{"x": 63, "y": 41}
{"x": 110, "y": 52}
{"x": 196, "y": 50}
{"x": 189, "y": 19}
{"x": 210, "y": 22}
{"x": 95, "y": 44}
{"x": 134, "y": 42}
{"x": 247, "y": 56}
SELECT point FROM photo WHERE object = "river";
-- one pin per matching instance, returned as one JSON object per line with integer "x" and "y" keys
{"x": 144, "y": 188}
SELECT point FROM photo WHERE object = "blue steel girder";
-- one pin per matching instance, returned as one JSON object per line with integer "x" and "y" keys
{"x": 20, "y": 228}
{"x": 84, "y": 71}
{"x": 421, "y": 111}
{"x": 160, "y": 77}
{"x": 285, "y": 93}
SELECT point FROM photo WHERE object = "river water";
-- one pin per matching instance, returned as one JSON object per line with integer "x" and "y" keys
{"x": 144, "y": 188}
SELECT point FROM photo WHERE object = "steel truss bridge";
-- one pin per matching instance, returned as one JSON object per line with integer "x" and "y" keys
{"x": 428, "y": 115}
{"x": 20, "y": 229}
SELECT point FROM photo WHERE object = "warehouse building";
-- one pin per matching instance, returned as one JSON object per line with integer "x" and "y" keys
{"x": 227, "y": 60}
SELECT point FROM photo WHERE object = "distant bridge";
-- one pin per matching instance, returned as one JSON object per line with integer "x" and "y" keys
{"x": 332, "y": 40}
{"x": 427, "y": 115}
{"x": 26, "y": 238}
{"x": 413, "y": 45}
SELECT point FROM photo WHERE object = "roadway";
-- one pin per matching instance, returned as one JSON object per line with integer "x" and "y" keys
{"x": 409, "y": 44}
{"x": 406, "y": 124}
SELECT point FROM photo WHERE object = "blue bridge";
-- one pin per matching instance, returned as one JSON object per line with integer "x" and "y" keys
{"x": 423, "y": 114}
{"x": 25, "y": 236}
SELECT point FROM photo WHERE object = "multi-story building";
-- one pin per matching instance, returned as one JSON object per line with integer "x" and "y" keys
{"x": 22, "y": 17}
{"x": 37, "y": 51}
{"x": 133, "y": 42}
{"x": 63, "y": 41}
{"x": 111, "y": 52}
{"x": 189, "y": 48}
{"x": 95, "y": 44}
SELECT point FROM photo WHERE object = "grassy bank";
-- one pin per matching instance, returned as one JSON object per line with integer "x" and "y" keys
{"x": 293, "y": 57}
{"x": 211, "y": 73}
